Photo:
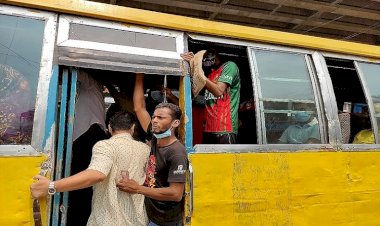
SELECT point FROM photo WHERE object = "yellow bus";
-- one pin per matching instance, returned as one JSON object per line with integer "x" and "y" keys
{"x": 260, "y": 180}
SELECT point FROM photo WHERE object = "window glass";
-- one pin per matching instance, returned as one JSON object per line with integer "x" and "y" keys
{"x": 287, "y": 98}
{"x": 371, "y": 75}
{"x": 20, "y": 55}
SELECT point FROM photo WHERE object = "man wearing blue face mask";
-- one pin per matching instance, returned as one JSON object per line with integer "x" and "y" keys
{"x": 305, "y": 131}
{"x": 167, "y": 165}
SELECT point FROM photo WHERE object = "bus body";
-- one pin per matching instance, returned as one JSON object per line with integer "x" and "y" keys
{"x": 255, "y": 182}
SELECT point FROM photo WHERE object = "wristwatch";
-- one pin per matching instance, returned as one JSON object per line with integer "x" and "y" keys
{"x": 51, "y": 188}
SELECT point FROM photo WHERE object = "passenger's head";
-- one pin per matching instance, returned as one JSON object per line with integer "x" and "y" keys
{"x": 122, "y": 121}
{"x": 365, "y": 123}
{"x": 211, "y": 59}
{"x": 111, "y": 111}
{"x": 302, "y": 116}
{"x": 174, "y": 110}
{"x": 166, "y": 117}
{"x": 304, "y": 112}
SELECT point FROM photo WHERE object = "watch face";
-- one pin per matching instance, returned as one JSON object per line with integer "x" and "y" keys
{"x": 51, "y": 191}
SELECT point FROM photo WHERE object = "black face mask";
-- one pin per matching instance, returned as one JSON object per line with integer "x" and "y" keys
{"x": 209, "y": 60}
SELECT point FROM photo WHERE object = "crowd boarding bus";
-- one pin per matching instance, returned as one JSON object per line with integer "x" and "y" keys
{"x": 44, "y": 44}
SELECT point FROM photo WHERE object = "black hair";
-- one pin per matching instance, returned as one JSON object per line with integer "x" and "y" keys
{"x": 122, "y": 120}
{"x": 176, "y": 112}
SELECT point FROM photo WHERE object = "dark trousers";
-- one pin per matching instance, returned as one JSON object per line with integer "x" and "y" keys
{"x": 80, "y": 200}
{"x": 216, "y": 138}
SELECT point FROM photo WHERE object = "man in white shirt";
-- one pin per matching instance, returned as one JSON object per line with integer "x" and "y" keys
{"x": 110, "y": 157}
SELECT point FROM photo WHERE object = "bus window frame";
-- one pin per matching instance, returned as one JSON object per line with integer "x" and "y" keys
{"x": 328, "y": 98}
{"x": 318, "y": 97}
{"x": 318, "y": 92}
{"x": 43, "y": 133}
{"x": 334, "y": 120}
{"x": 327, "y": 102}
{"x": 355, "y": 59}
{"x": 118, "y": 51}
{"x": 368, "y": 97}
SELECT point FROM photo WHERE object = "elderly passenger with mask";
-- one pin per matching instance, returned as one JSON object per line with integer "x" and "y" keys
{"x": 304, "y": 131}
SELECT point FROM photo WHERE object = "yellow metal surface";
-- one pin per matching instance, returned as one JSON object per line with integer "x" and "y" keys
{"x": 181, "y": 23}
{"x": 181, "y": 130}
{"x": 16, "y": 204}
{"x": 310, "y": 188}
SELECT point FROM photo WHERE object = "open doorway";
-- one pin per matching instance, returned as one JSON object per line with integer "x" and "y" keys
{"x": 100, "y": 94}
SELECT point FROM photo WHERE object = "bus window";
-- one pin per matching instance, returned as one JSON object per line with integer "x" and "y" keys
{"x": 246, "y": 108}
{"x": 351, "y": 102}
{"x": 370, "y": 75}
{"x": 20, "y": 56}
{"x": 287, "y": 98}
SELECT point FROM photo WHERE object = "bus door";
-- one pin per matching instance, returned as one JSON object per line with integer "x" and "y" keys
{"x": 68, "y": 86}
{"x": 111, "y": 53}
{"x": 28, "y": 97}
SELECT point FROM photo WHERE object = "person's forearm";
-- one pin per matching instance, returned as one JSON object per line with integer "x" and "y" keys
{"x": 139, "y": 102}
{"x": 217, "y": 89}
{"x": 80, "y": 180}
{"x": 161, "y": 194}
{"x": 138, "y": 93}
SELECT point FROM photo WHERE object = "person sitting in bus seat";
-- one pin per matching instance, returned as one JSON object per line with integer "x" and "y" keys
{"x": 113, "y": 158}
{"x": 365, "y": 135}
{"x": 305, "y": 131}
{"x": 222, "y": 95}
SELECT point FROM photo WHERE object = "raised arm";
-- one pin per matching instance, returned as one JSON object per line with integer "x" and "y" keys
{"x": 139, "y": 102}
{"x": 171, "y": 97}
{"x": 216, "y": 88}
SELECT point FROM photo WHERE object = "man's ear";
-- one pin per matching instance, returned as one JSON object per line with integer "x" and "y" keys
{"x": 132, "y": 129}
{"x": 109, "y": 129}
{"x": 176, "y": 123}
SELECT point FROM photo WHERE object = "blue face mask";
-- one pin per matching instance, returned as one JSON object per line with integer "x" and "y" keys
{"x": 165, "y": 134}
{"x": 302, "y": 116}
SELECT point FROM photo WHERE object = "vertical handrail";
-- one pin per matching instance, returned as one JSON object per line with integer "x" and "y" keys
{"x": 61, "y": 142}
{"x": 69, "y": 139}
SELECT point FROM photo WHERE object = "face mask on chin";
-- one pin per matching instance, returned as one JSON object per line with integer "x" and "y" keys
{"x": 165, "y": 134}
